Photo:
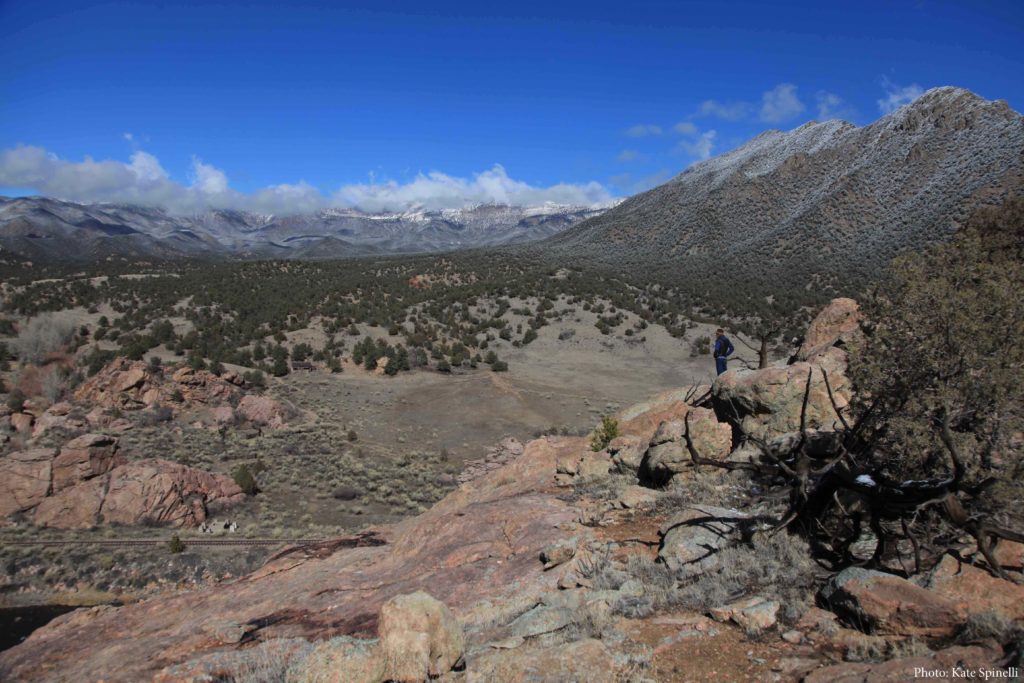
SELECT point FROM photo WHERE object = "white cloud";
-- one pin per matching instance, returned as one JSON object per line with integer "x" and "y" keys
{"x": 208, "y": 179}
{"x": 830, "y": 106}
{"x": 685, "y": 128}
{"x": 728, "y": 111}
{"x": 128, "y": 136}
{"x": 780, "y": 103}
{"x": 699, "y": 148}
{"x": 144, "y": 181}
{"x": 643, "y": 130}
{"x": 147, "y": 167}
{"x": 628, "y": 155}
{"x": 897, "y": 95}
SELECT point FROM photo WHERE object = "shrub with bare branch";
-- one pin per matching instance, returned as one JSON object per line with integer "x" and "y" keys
{"x": 43, "y": 334}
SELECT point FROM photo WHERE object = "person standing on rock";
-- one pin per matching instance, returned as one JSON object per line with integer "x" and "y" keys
{"x": 723, "y": 349}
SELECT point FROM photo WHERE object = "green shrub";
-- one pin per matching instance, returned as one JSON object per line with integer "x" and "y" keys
{"x": 255, "y": 378}
{"x": 175, "y": 545}
{"x": 243, "y": 476}
{"x": 15, "y": 400}
{"x": 605, "y": 432}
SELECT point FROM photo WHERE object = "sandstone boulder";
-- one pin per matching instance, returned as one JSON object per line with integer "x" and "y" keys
{"x": 882, "y": 603}
{"x": 25, "y": 479}
{"x": 838, "y": 324}
{"x": 419, "y": 638}
{"x": 223, "y": 415}
{"x": 627, "y": 452}
{"x": 668, "y": 454}
{"x": 22, "y": 422}
{"x": 83, "y": 458}
{"x": 584, "y": 465}
{"x": 753, "y": 614}
{"x": 767, "y": 403}
{"x": 638, "y": 498}
{"x": 263, "y": 410}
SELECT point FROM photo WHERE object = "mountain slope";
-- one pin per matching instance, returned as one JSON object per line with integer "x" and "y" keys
{"x": 825, "y": 205}
{"x": 47, "y": 229}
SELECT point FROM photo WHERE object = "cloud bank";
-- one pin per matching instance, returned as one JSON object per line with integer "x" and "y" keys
{"x": 144, "y": 181}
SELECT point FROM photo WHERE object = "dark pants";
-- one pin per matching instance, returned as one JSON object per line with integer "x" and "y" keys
{"x": 720, "y": 364}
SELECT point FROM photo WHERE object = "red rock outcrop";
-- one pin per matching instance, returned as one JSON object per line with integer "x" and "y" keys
{"x": 122, "y": 383}
{"x": 132, "y": 385}
{"x": 204, "y": 387}
{"x": 146, "y": 491}
{"x": 482, "y": 541}
{"x": 87, "y": 482}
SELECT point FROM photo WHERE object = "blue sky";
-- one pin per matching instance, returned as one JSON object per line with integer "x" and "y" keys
{"x": 263, "y": 105}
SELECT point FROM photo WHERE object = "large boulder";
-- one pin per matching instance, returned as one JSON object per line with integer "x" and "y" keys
{"x": 146, "y": 491}
{"x": 419, "y": 638}
{"x": 25, "y": 479}
{"x": 83, "y": 458}
{"x": 885, "y": 604}
{"x": 22, "y": 422}
{"x": 767, "y": 403}
{"x": 263, "y": 410}
{"x": 668, "y": 454}
{"x": 838, "y": 324}
{"x": 627, "y": 453}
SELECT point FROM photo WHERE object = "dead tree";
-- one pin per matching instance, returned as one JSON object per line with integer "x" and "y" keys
{"x": 836, "y": 487}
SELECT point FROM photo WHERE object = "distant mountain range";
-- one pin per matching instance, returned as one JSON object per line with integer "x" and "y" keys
{"x": 821, "y": 208}
{"x": 817, "y": 208}
{"x": 46, "y": 229}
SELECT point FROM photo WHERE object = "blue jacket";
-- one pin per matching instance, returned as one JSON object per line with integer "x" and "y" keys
{"x": 723, "y": 347}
